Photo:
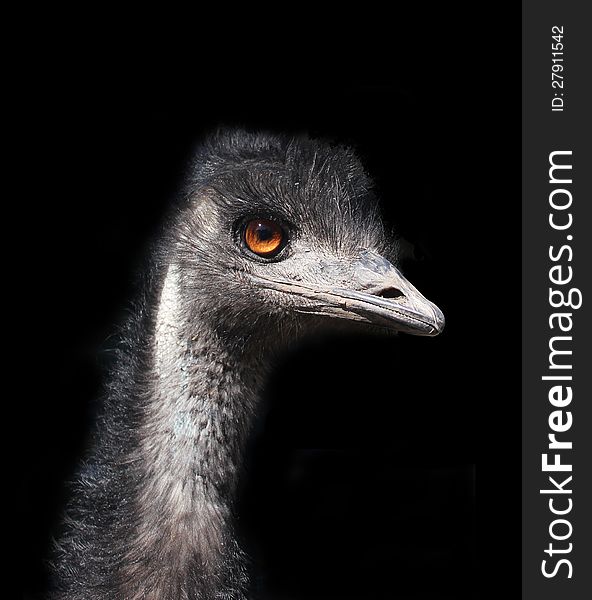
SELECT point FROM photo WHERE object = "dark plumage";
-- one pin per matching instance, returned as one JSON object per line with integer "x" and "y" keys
{"x": 151, "y": 515}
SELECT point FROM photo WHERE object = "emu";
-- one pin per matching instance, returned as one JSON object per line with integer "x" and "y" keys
{"x": 273, "y": 238}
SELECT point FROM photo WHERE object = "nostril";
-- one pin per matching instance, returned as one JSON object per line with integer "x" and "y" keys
{"x": 390, "y": 292}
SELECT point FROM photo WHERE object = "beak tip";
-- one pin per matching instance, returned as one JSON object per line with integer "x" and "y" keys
{"x": 438, "y": 321}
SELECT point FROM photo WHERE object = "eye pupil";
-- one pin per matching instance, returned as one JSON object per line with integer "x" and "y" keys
{"x": 264, "y": 237}
{"x": 264, "y": 233}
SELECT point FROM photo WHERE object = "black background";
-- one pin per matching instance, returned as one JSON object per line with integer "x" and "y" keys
{"x": 363, "y": 477}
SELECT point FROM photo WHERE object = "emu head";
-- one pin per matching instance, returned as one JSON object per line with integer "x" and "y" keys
{"x": 280, "y": 236}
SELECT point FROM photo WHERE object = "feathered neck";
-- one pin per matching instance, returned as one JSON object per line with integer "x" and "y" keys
{"x": 191, "y": 441}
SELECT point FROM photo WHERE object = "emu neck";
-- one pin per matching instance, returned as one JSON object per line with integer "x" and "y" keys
{"x": 204, "y": 394}
{"x": 196, "y": 424}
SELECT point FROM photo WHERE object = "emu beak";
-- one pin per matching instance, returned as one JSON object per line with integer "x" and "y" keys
{"x": 370, "y": 290}
{"x": 379, "y": 294}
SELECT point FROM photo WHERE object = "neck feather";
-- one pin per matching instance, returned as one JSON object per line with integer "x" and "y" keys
{"x": 191, "y": 441}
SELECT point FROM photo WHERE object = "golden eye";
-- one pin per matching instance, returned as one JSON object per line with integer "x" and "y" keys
{"x": 264, "y": 237}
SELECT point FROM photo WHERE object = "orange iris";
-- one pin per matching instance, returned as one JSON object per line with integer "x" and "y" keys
{"x": 264, "y": 237}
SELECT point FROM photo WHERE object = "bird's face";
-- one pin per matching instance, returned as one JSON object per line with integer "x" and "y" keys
{"x": 278, "y": 248}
